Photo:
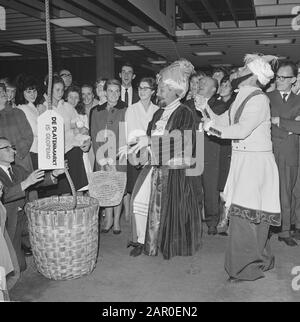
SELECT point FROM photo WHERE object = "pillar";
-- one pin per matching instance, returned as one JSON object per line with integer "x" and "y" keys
{"x": 105, "y": 60}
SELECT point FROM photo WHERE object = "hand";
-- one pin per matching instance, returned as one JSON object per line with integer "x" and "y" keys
{"x": 275, "y": 120}
{"x": 297, "y": 118}
{"x": 142, "y": 142}
{"x": 123, "y": 152}
{"x": 35, "y": 177}
{"x": 57, "y": 172}
{"x": 208, "y": 124}
{"x": 86, "y": 145}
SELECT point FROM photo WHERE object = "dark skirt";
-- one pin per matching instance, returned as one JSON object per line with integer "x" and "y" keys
{"x": 132, "y": 175}
{"x": 248, "y": 253}
{"x": 174, "y": 223}
{"x": 77, "y": 174}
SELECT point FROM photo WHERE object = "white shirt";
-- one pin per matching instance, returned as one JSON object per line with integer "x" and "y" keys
{"x": 137, "y": 119}
{"x": 130, "y": 94}
{"x": 288, "y": 94}
{"x": 32, "y": 114}
{"x": 5, "y": 169}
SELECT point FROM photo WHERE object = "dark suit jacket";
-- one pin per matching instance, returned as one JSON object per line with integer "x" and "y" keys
{"x": 14, "y": 197}
{"x": 285, "y": 145}
{"x": 135, "y": 96}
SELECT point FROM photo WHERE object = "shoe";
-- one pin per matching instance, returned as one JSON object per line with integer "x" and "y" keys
{"x": 137, "y": 251}
{"x": 212, "y": 230}
{"x": 27, "y": 250}
{"x": 106, "y": 230}
{"x": 233, "y": 280}
{"x": 296, "y": 234}
{"x": 132, "y": 244}
{"x": 117, "y": 231}
{"x": 288, "y": 240}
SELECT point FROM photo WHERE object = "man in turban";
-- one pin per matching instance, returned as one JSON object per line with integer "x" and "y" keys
{"x": 252, "y": 188}
{"x": 168, "y": 192}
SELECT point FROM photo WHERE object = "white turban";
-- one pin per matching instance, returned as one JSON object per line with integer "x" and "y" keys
{"x": 177, "y": 76}
{"x": 260, "y": 66}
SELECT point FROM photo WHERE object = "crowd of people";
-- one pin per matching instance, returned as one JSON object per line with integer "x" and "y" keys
{"x": 250, "y": 119}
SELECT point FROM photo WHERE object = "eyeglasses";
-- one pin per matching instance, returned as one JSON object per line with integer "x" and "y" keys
{"x": 65, "y": 75}
{"x": 283, "y": 78}
{"x": 144, "y": 88}
{"x": 9, "y": 147}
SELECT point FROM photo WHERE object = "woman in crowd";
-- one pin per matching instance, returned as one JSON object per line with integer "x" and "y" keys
{"x": 75, "y": 142}
{"x": 15, "y": 127}
{"x": 100, "y": 83}
{"x": 73, "y": 96}
{"x": 137, "y": 119}
{"x": 194, "y": 85}
{"x": 26, "y": 97}
{"x": 88, "y": 98}
{"x": 104, "y": 118}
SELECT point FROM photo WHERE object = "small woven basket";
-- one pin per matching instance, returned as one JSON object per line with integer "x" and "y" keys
{"x": 64, "y": 240}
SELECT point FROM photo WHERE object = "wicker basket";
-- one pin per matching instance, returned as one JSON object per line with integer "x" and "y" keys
{"x": 64, "y": 242}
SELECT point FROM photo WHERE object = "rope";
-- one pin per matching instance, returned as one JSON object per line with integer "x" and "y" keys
{"x": 49, "y": 91}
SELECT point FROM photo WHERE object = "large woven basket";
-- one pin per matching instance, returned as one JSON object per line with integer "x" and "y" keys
{"x": 64, "y": 242}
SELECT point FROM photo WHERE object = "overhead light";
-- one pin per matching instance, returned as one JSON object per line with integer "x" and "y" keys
{"x": 129, "y": 48}
{"x": 274, "y": 10}
{"x": 9, "y": 54}
{"x": 185, "y": 33}
{"x": 221, "y": 65}
{"x": 209, "y": 53}
{"x": 71, "y": 22}
{"x": 275, "y": 41}
{"x": 30, "y": 41}
{"x": 158, "y": 62}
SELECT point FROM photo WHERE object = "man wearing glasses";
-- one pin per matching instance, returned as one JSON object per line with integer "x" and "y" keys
{"x": 16, "y": 181}
{"x": 285, "y": 108}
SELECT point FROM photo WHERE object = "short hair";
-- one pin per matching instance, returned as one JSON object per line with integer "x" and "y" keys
{"x": 4, "y": 138}
{"x": 80, "y": 106}
{"x": 88, "y": 86}
{"x": 225, "y": 79}
{"x": 112, "y": 81}
{"x": 150, "y": 81}
{"x": 127, "y": 64}
{"x": 73, "y": 88}
{"x": 8, "y": 82}
{"x": 24, "y": 82}
{"x": 64, "y": 69}
{"x": 292, "y": 65}
{"x": 100, "y": 79}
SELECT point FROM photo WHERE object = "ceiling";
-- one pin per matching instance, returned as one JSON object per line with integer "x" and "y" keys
{"x": 232, "y": 27}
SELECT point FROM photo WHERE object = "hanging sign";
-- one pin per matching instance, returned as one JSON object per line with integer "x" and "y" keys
{"x": 50, "y": 141}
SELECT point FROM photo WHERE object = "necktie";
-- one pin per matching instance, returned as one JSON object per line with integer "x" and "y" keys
{"x": 126, "y": 96}
{"x": 284, "y": 97}
{"x": 12, "y": 176}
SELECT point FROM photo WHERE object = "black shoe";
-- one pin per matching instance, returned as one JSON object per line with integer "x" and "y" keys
{"x": 106, "y": 230}
{"x": 288, "y": 240}
{"x": 212, "y": 230}
{"x": 27, "y": 250}
{"x": 137, "y": 251}
{"x": 233, "y": 280}
{"x": 132, "y": 244}
{"x": 296, "y": 234}
{"x": 117, "y": 231}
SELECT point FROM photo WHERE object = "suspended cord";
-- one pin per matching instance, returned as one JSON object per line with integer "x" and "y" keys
{"x": 49, "y": 53}
{"x": 49, "y": 91}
